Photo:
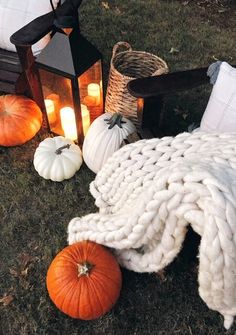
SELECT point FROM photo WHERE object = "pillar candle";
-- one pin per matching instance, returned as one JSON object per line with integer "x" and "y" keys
{"x": 50, "y": 109}
{"x": 85, "y": 118}
{"x": 68, "y": 123}
{"x": 94, "y": 91}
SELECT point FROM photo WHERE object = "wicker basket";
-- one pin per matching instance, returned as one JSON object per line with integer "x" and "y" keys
{"x": 125, "y": 66}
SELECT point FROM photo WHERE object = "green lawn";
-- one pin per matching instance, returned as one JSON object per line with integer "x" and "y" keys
{"x": 35, "y": 212}
{"x": 199, "y": 34}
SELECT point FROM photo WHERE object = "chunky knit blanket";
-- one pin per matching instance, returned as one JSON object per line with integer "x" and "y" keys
{"x": 149, "y": 191}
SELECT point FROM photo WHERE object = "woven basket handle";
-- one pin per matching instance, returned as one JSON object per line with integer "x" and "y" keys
{"x": 125, "y": 46}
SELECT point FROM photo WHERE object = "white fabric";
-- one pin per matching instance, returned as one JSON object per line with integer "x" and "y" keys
{"x": 220, "y": 113}
{"x": 147, "y": 194}
{"x": 14, "y": 14}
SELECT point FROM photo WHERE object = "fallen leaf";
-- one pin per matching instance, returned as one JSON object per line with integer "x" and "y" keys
{"x": 24, "y": 272}
{"x": 105, "y": 5}
{"x": 177, "y": 111}
{"x": 161, "y": 275}
{"x": 185, "y": 3}
{"x": 13, "y": 272}
{"x": 173, "y": 50}
{"x": 6, "y": 300}
{"x": 25, "y": 259}
{"x": 25, "y": 284}
{"x": 118, "y": 11}
{"x": 223, "y": 10}
{"x": 190, "y": 330}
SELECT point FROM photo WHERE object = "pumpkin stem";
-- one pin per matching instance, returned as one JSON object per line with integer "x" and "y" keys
{"x": 59, "y": 150}
{"x": 116, "y": 119}
{"x": 84, "y": 269}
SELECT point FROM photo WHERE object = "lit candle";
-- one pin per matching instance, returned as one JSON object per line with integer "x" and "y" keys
{"x": 68, "y": 123}
{"x": 94, "y": 91}
{"x": 50, "y": 109}
{"x": 85, "y": 118}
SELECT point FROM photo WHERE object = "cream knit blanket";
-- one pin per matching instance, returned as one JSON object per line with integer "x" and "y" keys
{"x": 149, "y": 191}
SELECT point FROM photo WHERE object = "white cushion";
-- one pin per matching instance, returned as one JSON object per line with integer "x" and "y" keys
{"x": 14, "y": 14}
{"x": 220, "y": 113}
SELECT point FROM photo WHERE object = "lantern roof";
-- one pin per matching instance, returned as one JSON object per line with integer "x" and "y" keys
{"x": 68, "y": 55}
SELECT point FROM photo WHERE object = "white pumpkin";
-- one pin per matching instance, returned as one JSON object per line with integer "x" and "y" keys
{"x": 57, "y": 158}
{"x": 104, "y": 137}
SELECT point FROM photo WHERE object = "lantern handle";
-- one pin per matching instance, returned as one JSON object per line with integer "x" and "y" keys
{"x": 53, "y": 9}
{"x": 42, "y": 25}
{"x": 66, "y": 21}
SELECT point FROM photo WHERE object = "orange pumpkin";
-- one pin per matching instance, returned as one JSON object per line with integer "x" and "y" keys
{"x": 84, "y": 280}
{"x": 20, "y": 119}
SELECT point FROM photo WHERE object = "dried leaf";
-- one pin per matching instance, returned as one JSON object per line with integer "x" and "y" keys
{"x": 25, "y": 259}
{"x": 24, "y": 272}
{"x": 6, "y": 300}
{"x": 190, "y": 330}
{"x": 185, "y": 3}
{"x": 161, "y": 275}
{"x": 215, "y": 58}
{"x": 173, "y": 50}
{"x": 13, "y": 272}
{"x": 118, "y": 11}
{"x": 223, "y": 10}
{"x": 105, "y": 5}
{"x": 25, "y": 284}
{"x": 177, "y": 111}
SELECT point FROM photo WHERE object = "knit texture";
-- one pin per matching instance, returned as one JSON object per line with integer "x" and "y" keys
{"x": 147, "y": 194}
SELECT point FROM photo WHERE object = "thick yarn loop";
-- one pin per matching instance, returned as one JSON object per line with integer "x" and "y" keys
{"x": 149, "y": 191}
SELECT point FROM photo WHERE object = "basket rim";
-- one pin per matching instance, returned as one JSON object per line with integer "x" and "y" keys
{"x": 165, "y": 66}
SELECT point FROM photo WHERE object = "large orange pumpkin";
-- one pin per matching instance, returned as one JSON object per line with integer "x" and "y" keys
{"x": 20, "y": 119}
{"x": 84, "y": 280}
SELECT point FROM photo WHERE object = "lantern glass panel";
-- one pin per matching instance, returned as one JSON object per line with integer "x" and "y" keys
{"x": 57, "y": 93}
{"x": 91, "y": 92}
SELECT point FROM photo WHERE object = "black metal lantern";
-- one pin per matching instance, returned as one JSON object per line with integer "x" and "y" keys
{"x": 70, "y": 70}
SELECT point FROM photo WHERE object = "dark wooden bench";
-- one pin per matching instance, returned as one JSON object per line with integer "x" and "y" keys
{"x": 153, "y": 89}
{"x": 18, "y": 73}
{"x": 10, "y": 69}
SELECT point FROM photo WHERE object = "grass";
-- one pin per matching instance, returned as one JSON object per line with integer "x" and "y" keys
{"x": 35, "y": 212}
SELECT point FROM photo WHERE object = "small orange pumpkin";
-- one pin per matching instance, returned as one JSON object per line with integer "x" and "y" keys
{"x": 84, "y": 280}
{"x": 20, "y": 119}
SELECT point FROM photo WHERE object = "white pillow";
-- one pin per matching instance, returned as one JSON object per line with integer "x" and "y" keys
{"x": 14, "y": 14}
{"x": 220, "y": 113}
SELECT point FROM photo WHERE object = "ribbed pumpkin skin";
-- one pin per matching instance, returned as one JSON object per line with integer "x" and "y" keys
{"x": 84, "y": 297}
{"x": 57, "y": 167}
{"x": 101, "y": 142}
{"x": 20, "y": 119}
